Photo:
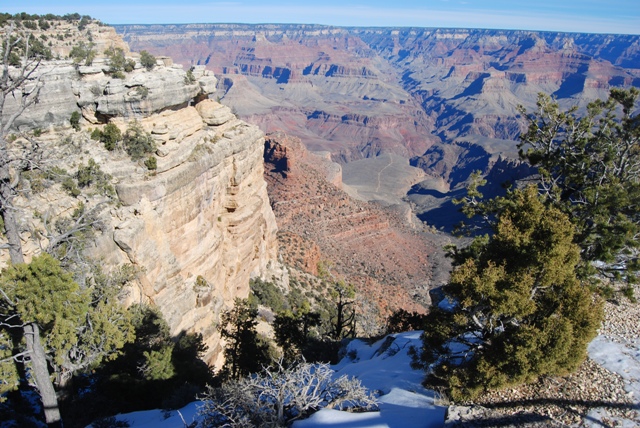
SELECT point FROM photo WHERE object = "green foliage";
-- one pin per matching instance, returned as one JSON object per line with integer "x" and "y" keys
{"x": 96, "y": 134}
{"x": 401, "y": 320}
{"x": 294, "y": 333}
{"x": 268, "y": 294}
{"x": 86, "y": 20}
{"x": 118, "y": 63}
{"x": 147, "y": 60}
{"x": 71, "y": 17}
{"x": 157, "y": 364}
{"x": 110, "y": 136}
{"x": 42, "y": 292}
{"x": 156, "y": 370}
{"x": 189, "y": 78}
{"x": 244, "y": 354}
{"x": 589, "y": 170}
{"x": 69, "y": 184}
{"x": 9, "y": 378}
{"x": 44, "y": 25}
{"x": 138, "y": 142}
{"x": 34, "y": 49}
{"x": 80, "y": 327}
{"x": 92, "y": 175}
{"x": 142, "y": 91}
{"x": 83, "y": 53}
{"x": 151, "y": 163}
{"x": 520, "y": 310}
{"x": 30, "y": 25}
{"x": 107, "y": 326}
{"x": 74, "y": 120}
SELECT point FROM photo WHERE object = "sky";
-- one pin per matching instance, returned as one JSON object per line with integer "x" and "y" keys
{"x": 587, "y": 16}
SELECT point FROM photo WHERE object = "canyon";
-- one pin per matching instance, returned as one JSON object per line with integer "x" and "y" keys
{"x": 405, "y": 114}
{"x": 446, "y": 100}
{"x": 399, "y": 117}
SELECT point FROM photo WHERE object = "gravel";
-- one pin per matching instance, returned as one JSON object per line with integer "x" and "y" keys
{"x": 567, "y": 401}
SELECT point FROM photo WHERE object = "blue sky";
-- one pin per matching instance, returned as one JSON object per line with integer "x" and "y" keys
{"x": 591, "y": 16}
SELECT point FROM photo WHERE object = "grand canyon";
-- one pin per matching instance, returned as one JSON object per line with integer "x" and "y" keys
{"x": 443, "y": 101}
{"x": 299, "y": 156}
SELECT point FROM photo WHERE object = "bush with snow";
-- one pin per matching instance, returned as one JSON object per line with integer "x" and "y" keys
{"x": 280, "y": 395}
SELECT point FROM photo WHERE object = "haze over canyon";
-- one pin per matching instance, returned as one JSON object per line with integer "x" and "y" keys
{"x": 441, "y": 100}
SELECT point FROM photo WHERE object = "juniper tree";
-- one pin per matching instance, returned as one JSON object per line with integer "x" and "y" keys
{"x": 292, "y": 332}
{"x": 137, "y": 142}
{"x": 244, "y": 353}
{"x": 77, "y": 327}
{"x": 519, "y": 309}
{"x": 589, "y": 168}
{"x": 147, "y": 60}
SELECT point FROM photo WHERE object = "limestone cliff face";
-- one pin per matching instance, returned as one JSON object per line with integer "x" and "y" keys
{"x": 199, "y": 227}
{"x": 205, "y": 214}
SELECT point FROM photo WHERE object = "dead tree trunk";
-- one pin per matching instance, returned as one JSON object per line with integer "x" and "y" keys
{"x": 13, "y": 83}
{"x": 40, "y": 372}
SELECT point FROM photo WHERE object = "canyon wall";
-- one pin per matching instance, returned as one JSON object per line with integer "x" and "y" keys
{"x": 361, "y": 92}
{"x": 197, "y": 228}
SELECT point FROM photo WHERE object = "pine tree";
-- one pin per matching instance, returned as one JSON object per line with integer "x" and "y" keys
{"x": 244, "y": 353}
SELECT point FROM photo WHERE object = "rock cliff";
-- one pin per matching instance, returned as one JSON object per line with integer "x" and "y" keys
{"x": 198, "y": 227}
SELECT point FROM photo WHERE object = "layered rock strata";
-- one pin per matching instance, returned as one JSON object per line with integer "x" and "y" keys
{"x": 197, "y": 228}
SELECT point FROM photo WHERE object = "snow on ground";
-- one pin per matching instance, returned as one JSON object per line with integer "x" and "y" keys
{"x": 162, "y": 419}
{"x": 623, "y": 359}
{"x": 620, "y": 358}
{"x": 384, "y": 367}
{"x": 404, "y": 401}
{"x": 386, "y": 370}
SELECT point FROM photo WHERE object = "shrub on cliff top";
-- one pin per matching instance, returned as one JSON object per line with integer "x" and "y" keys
{"x": 147, "y": 60}
{"x": 138, "y": 142}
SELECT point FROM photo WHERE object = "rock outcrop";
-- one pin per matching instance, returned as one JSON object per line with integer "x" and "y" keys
{"x": 197, "y": 227}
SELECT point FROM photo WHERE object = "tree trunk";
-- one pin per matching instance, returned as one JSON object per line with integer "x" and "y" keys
{"x": 41, "y": 374}
{"x": 12, "y": 230}
{"x": 12, "y": 233}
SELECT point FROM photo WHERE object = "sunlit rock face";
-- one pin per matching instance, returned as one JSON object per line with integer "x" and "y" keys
{"x": 198, "y": 227}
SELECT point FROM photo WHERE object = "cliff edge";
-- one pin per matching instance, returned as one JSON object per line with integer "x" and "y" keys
{"x": 197, "y": 227}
